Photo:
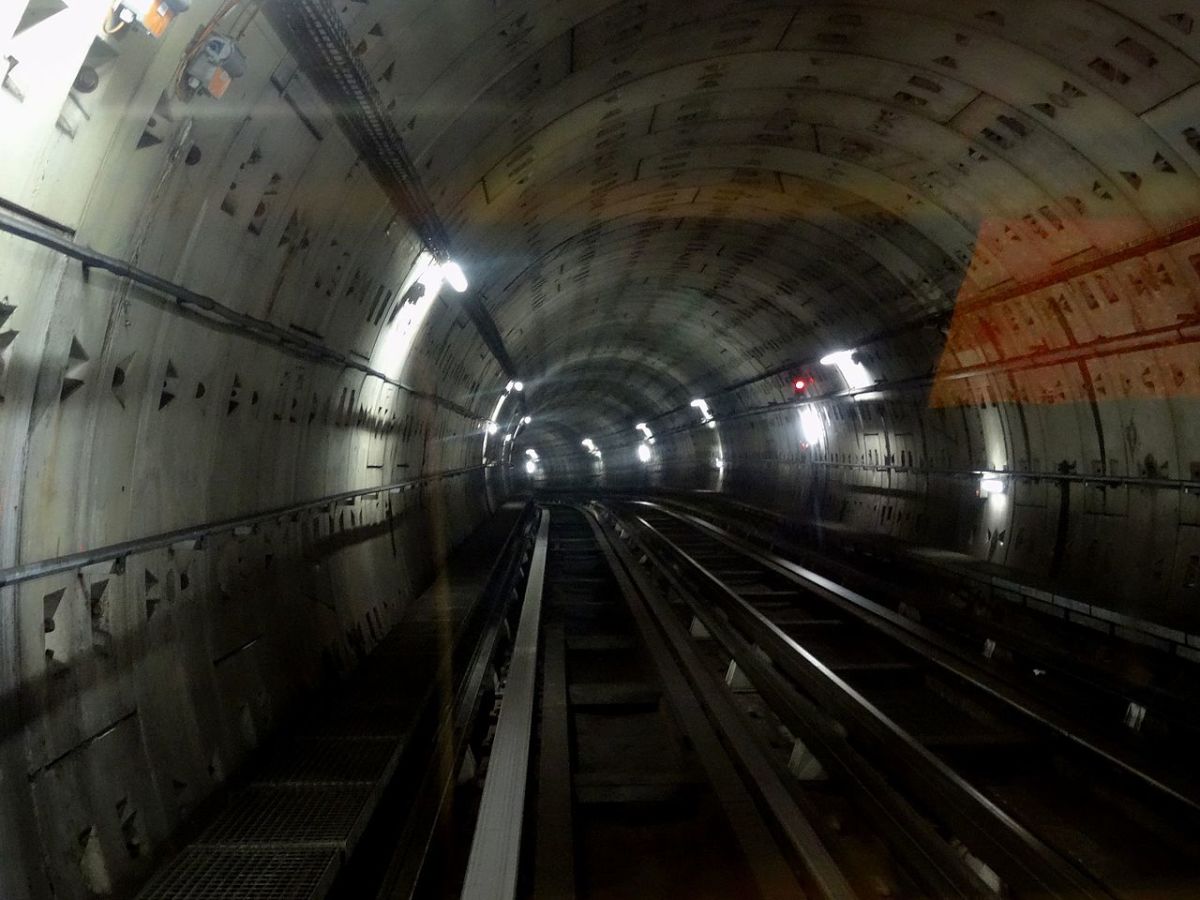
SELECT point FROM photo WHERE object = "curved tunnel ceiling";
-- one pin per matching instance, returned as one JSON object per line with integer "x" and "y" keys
{"x": 728, "y": 189}
{"x": 236, "y": 449}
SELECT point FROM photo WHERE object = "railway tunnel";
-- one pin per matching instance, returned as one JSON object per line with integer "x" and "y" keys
{"x": 735, "y": 385}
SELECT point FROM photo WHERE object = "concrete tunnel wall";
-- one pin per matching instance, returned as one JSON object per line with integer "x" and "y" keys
{"x": 656, "y": 203}
{"x": 129, "y": 691}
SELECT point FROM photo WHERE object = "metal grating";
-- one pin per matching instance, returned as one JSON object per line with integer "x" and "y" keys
{"x": 331, "y": 760}
{"x": 225, "y": 873}
{"x": 320, "y": 814}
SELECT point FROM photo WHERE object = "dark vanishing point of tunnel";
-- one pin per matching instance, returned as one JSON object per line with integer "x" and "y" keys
{"x": 604, "y": 449}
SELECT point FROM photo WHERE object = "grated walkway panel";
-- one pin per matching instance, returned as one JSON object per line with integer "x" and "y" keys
{"x": 319, "y": 815}
{"x": 226, "y": 873}
{"x": 288, "y": 832}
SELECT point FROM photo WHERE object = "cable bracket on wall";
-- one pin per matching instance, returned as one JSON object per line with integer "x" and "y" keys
{"x": 313, "y": 33}
{"x": 202, "y": 308}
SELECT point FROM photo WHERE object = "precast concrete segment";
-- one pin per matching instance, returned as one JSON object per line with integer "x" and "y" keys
{"x": 196, "y": 533}
{"x": 317, "y": 38}
{"x": 287, "y": 341}
{"x": 655, "y": 202}
{"x": 650, "y": 159}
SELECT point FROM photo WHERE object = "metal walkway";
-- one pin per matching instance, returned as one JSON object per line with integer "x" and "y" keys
{"x": 649, "y": 705}
{"x": 290, "y": 825}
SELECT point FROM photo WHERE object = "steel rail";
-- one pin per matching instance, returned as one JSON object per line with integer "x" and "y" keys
{"x": 72, "y": 561}
{"x": 206, "y": 308}
{"x": 711, "y": 720}
{"x": 449, "y": 712}
{"x": 943, "y": 872}
{"x": 1175, "y": 706}
{"x": 1020, "y": 856}
{"x": 494, "y": 860}
{"x": 949, "y": 658}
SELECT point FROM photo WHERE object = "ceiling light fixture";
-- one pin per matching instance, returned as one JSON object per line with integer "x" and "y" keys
{"x": 706, "y": 416}
{"x": 431, "y": 279}
{"x": 812, "y": 429}
{"x": 851, "y": 369}
{"x": 454, "y": 276}
{"x": 991, "y": 484}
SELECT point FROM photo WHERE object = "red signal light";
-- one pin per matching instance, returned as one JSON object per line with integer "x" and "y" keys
{"x": 799, "y": 385}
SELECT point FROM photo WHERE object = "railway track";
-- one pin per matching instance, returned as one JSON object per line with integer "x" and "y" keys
{"x": 638, "y": 703}
{"x": 627, "y": 782}
{"x": 912, "y": 735}
{"x": 644, "y": 766}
